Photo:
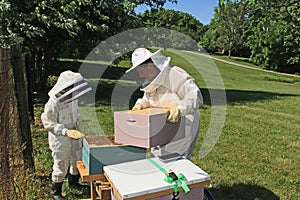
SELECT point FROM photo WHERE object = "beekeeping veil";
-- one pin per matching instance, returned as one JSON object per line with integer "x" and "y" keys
{"x": 140, "y": 55}
{"x": 69, "y": 86}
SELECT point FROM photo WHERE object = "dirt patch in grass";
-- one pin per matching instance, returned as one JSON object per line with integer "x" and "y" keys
{"x": 296, "y": 144}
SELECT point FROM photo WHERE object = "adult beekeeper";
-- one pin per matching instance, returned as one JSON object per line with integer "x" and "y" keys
{"x": 170, "y": 87}
{"x": 61, "y": 119}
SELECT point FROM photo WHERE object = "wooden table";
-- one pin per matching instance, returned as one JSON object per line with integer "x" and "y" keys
{"x": 98, "y": 184}
{"x": 141, "y": 180}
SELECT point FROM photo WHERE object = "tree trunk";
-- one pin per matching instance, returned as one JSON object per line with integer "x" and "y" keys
{"x": 229, "y": 53}
{"x": 22, "y": 104}
{"x": 29, "y": 74}
{"x": 48, "y": 56}
{"x": 42, "y": 83}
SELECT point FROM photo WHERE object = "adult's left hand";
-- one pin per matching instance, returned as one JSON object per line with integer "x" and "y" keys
{"x": 174, "y": 114}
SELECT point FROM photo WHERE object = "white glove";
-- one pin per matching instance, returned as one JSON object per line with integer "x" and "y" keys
{"x": 74, "y": 134}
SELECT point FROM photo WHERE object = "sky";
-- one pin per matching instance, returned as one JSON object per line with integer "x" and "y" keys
{"x": 203, "y": 10}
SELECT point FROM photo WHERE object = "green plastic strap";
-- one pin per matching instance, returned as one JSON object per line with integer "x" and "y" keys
{"x": 169, "y": 179}
{"x": 175, "y": 186}
{"x": 157, "y": 165}
{"x": 181, "y": 180}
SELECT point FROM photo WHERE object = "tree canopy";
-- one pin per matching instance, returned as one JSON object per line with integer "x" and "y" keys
{"x": 44, "y": 27}
{"x": 270, "y": 29}
{"x": 273, "y": 34}
{"x": 52, "y": 28}
{"x": 174, "y": 20}
{"x": 225, "y": 30}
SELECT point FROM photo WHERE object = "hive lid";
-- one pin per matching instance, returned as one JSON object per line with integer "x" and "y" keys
{"x": 137, "y": 178}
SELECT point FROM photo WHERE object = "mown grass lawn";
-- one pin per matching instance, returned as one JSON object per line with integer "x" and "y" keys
{"x": 257, "y": 153}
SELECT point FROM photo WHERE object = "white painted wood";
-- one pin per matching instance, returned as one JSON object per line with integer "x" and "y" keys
{"x": 141, "y": 177}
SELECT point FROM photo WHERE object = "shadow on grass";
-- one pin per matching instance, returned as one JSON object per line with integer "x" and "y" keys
{"x": 110, "y": 72}
{"x": 241, "y": 191}
{"x": 105, "y": 85}
{"x": 69, "y": 192}
{"x": 238, "y": 96}
{"x": 104, "y": 89}
{"x": 77, "y": 193}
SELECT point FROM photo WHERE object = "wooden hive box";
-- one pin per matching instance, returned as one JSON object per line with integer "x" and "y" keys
{"x": 99, "y": 151}
{"x": 146, "y": 128}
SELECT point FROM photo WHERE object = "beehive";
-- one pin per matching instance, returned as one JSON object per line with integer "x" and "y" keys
{"x": 144, "y": 180}
{"x": 99, "y": 151}
{"x": 146, "y": 128}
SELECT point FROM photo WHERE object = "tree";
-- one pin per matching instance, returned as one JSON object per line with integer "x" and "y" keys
{"x": 269, "y": 28}
{"x": 208, "y": 41}
{"x": 43, "y": 27}
{"x": 230, "y": 17}
{"x": 273, "y": 34}
{"x": 226, "y": 28}
{"x": 177, "y": 21}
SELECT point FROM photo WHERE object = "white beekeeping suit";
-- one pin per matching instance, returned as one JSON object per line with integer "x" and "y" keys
{"x": 171, "y": 88}
{"x": 60, "y": 118}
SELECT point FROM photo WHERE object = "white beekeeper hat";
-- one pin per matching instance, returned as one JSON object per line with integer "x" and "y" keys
{"x": 140, "y": 55}
{"x": 69, "y": 86}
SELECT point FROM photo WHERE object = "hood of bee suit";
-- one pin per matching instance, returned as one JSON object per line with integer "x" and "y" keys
{"x": 163, "y": 64}
{"x": 69, "y": 86}
{"x": 140, "y": 55}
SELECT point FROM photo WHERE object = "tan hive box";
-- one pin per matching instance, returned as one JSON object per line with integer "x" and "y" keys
{"x": 146, "y": 128}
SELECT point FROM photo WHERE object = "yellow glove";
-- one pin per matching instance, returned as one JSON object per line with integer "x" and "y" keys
{"x": 137, "y": 107}
{"x": 74, "y": 134}
{"x": 174, "y": 115}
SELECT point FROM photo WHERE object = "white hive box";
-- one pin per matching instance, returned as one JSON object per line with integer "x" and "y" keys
{"x": 146, "y": 128}
{"x": 142, "y": 180}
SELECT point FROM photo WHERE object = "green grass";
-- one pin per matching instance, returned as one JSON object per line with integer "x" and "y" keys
{"x": 257, "y": 153}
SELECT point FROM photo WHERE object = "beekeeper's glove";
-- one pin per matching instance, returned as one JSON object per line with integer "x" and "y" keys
{"x": 74, "y": 134}
{"x": 137, "y": 107}
{"x": 174, "y": 114}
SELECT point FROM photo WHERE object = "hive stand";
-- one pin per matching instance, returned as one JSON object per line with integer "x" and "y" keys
{"x": 98, "y": 183}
